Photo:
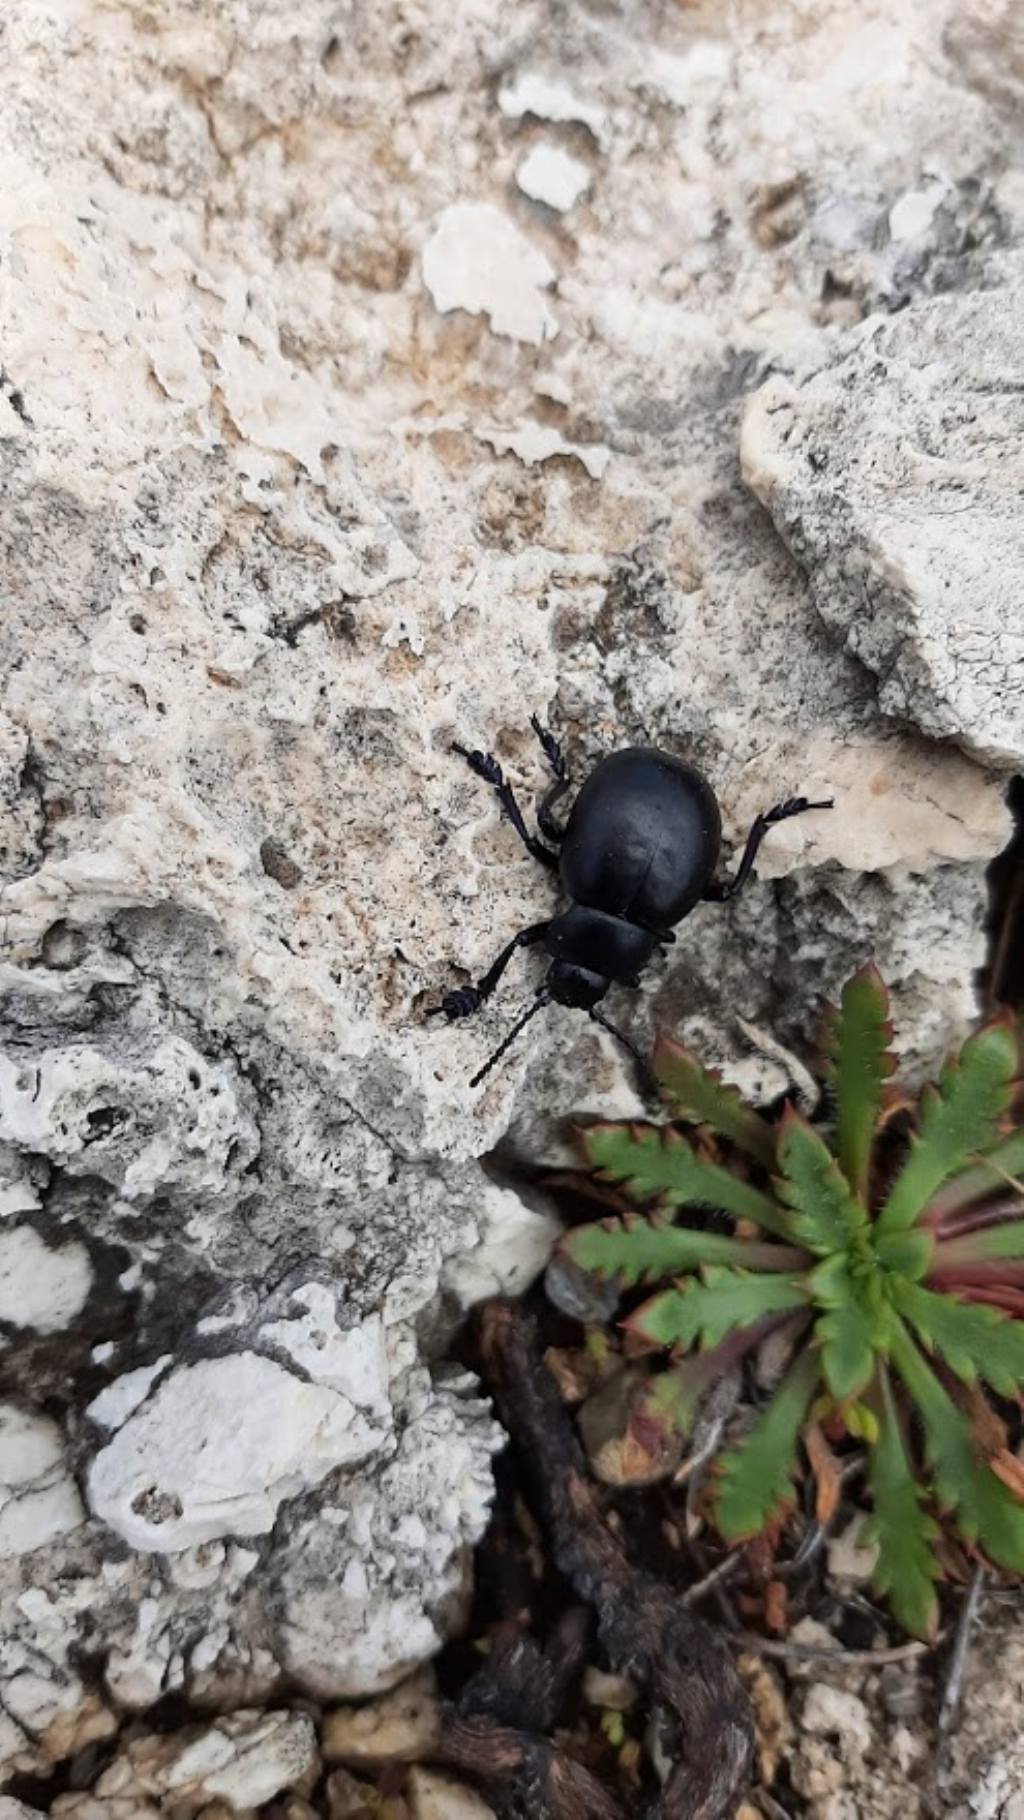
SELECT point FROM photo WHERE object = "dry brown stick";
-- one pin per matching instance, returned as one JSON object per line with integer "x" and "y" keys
{"x": 702, "y": 1713}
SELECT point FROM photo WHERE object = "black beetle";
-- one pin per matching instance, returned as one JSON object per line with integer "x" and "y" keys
{"x": 637, "y": 854}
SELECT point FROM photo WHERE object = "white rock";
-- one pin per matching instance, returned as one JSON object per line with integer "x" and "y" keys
{"x": 830, "y": 1710}
{"x": 260, "y": 569}
{"x": 849, "y": 1557}
{"x": 514, "y": 1247}
{"x": 898, "y": 495}
{"x": 243, "y": 1759}
{"x": 911, "y": 216}
{"x": 38, "y": 1497}
{"x": 550, "y": 174}
{"x": 117, "y": 1401}
{"x": 217, "y": 1448}
{"x": 398, "y": 1727}
{"x": 478, "y": 260}
{"x": 353, "y": 1362}
{"x": 38, "y": 1287}
{"x": 432, "y": 1796}
{"x": 550, "y": 98}
{"x": 538, "y": 442}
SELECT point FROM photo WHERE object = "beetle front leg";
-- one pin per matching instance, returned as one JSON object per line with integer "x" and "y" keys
{"x": 485, "y": 765}
{"x": 724, "y": 889}
{"x": 552, "y": 751}
{"x": 462, "y": 1001}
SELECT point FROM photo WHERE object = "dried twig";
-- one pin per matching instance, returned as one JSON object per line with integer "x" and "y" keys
{"x": 701, "y": 1710}
{"x": 949, "y": 1705}
{"x": 724, "y": 1571}
{"x": 820, "y": 1652}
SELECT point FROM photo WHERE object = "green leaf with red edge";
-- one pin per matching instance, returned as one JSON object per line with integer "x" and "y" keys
{"x": 708, "y": 1308}
{"x": 700, "y": 1096}
{"x": 959, "y": 1118}
{"x": 756, "y": 1480}
{"x": 986, "y": 1512}
{"x": 650, "y": 1160}
{"x": 906, "y": 1569}
{"x": 859, "y": 1065}
{"x": 637, "y": 1250}
{"x": 823, "y": 1213}
{"x": 975, "y": 1341}
{"x": 1002, "y": 1241}
{"x": 1001, "y": 1168}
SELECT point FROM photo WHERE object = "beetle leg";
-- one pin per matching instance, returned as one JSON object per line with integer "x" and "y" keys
{"x": 724, "y": 889}
{"x": 462, "y": 1001}
{"x": 546, "y": 822}
{"x": 485, "y": 765}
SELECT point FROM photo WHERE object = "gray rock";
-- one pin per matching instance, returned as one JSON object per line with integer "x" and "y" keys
{"x": 296, "y": 487}
{"x": 894, "y": 473}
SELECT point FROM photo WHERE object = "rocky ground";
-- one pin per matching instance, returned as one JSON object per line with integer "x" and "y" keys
{"x": 372, "y": 377}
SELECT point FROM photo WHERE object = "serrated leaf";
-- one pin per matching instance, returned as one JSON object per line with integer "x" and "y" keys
{"x": 639, "y": 1250}
{"x": 650, "y": 1160}
{"x": 823, "y": 1214}
{"x": 906, "y": 1254}
{"x": 860, "y": 1064}
{"x": 700, "y": 1096}
{"x": 1002, "y": 1167}
{"x": 986, "y": 1511}
{"x": 847, "y": 1336}
{"x": 961, "y": 1117}
{"x": 756, "y": 1482}
{"x": 906, "y": 1569}
{"x": 707, "y": 1309}
{"x": 975, "y": 1341}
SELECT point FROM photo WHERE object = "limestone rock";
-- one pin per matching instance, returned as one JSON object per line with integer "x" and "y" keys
{"x": 399, "y": 1727}
{"x": 241, "y": 1760}
{"x": 894, "y": 474}
{"x": 298, "y": 484}
{"x": 432, "y": 1796}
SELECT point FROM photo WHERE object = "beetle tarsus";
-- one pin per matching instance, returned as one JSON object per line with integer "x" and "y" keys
{"x": 462, "y": 1001}
{"x": 724, "y": 889}
{"x": 486, "y": 766}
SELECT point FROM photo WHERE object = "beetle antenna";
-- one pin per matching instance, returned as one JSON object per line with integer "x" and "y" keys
{"x": 543, "y": 998}
{"x": 647, "y": 1079}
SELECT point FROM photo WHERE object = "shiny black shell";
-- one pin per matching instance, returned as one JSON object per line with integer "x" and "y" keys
{"x": 643, "y": 838}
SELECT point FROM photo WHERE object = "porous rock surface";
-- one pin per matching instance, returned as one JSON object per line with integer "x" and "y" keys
{"x": 340, "y": 418}
{"x": 895, "y": 475}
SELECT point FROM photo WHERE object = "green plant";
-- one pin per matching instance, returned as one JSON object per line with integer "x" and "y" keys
{"x": 895, "y": 1262}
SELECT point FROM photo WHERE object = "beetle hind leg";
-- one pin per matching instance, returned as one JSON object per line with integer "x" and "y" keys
{"x": 724, "y": 889}
{"x": 549, "y": 827}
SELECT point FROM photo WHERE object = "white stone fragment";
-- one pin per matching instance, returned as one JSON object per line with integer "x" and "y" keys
{"x": 217, "y": 1448}
{"x": 536, "y": 442}
{"x": 38, "y": 1497}
{"x": 352, "y": 1360}
{"x": 515, "y": 1244}
{"x": 38, "y": 1287}
{"x": 398, "y": 1727}
{"x": 550, "y": 98}
{"x": 433, "y": 1796}
{"x": 477, "y": 260}
{"x": 552, "y": 175}
{"x": 912, "y": 215}
{"x": 116, "y": 1401}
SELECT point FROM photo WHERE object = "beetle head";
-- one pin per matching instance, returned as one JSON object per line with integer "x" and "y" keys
{"x": 575, "y": 986}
